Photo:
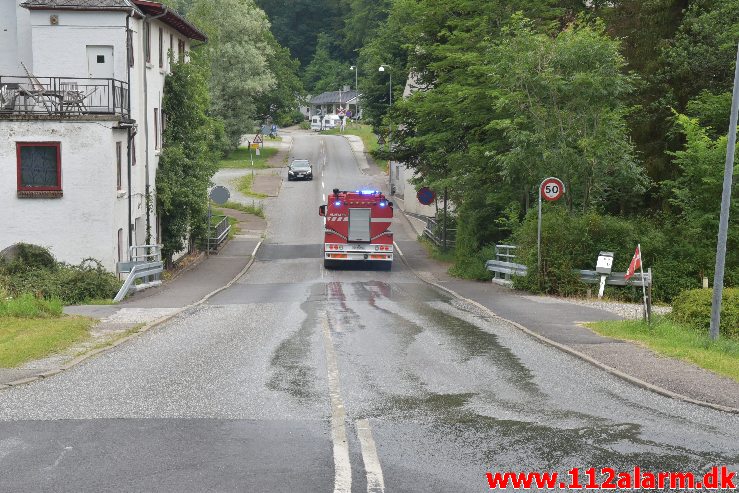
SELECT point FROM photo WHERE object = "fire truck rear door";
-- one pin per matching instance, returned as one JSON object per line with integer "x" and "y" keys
{"x": 359, "y": 224}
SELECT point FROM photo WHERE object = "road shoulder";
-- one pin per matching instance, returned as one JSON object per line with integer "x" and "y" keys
{"x": 559, "y": 323}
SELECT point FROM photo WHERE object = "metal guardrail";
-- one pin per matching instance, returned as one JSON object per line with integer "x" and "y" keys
{"x": 60, "y": 96}
{"x": 506, "y": 268}
{"x": 217, "y": 233}
{"x": 434, "y": 232}
{"x": 504, "y": 254}
{"x": 140, "y": 271}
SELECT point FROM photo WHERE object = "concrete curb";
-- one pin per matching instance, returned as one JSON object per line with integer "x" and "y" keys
{"x": 613, "y": 371}
{"x": 362, "y": 169}
{"x": 79, "y": 359}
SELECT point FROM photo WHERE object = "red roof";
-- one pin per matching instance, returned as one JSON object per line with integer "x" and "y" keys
{"x": 171, "y": 18}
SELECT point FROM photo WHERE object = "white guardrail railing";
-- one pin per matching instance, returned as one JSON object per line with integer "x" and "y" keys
{"x": 146, "y": 263}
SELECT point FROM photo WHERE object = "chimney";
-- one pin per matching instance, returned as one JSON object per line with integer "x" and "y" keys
{"x": 347, "y": 88}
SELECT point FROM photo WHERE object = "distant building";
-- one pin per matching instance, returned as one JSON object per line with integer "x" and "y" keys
{"x": 328, "y": 103}
{"x": 81, "y": 124}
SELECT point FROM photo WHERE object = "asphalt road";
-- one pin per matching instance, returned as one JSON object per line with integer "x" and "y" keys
{"x": 302, "y": 379}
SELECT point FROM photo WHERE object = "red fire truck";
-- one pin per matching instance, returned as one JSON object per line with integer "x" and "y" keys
{"x": 357, "y": 227}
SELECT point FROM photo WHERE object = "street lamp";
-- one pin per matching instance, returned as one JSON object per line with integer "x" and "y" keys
{"x": 382, "y": 69}
{"x": 356, "y": 87}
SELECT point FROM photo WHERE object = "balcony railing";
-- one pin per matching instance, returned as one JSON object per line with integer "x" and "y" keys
{"x": 62, "y": 96}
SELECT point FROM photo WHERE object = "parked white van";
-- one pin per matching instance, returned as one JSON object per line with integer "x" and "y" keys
{"x": 331, "y": 121}
{"x": 315, "y": 123}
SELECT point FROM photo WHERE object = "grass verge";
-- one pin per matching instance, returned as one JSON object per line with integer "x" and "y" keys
{"x": 244, "y": 185}
{"x": 240, "y": 158}
{"x": 368, "y": 138}
{"x": 27, "y": 339}
{"x": 672, "y": 339}
{"x": 435, "y": 252}
{"x": 253, "y": 209}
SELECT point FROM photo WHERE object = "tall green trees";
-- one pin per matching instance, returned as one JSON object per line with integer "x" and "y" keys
{"x": 187, "y": 161}
{"x": 237, "y": 55}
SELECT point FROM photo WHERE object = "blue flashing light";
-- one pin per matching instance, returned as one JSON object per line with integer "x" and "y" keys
{"x": 383, "y": 203}
{"x": 367, "y": 192}
{"x": 337, "y": 203}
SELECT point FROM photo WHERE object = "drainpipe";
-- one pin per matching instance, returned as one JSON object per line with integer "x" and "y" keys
{"x": 148, "y": 18}
{"x": 130, "y": 135}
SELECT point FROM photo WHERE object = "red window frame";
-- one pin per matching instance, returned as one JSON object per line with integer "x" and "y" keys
{"x": 58, "y": 146}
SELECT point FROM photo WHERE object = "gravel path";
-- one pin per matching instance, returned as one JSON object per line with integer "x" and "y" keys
{"x": 629, "y": 311}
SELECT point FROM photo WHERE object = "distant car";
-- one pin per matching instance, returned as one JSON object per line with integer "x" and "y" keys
{"x": 300, "y": 169}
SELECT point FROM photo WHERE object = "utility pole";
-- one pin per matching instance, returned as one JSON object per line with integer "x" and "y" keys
{"x": 723, "y": 227}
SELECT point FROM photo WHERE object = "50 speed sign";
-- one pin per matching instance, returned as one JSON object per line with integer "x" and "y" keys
{"x": 552, "y": 189}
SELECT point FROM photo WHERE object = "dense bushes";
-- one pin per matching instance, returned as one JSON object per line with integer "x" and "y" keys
{"x": 573, "y": 240}
{"x": 693, "y": 308}
{"x": 35, "y": 271}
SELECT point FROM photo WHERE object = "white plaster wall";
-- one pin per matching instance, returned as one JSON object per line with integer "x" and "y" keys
{"x": 15, "y": 42}
{"x": 85, "y": 221}
{"x": 61, "y": 50}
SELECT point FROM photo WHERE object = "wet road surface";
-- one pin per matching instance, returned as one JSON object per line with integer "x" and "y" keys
{"x": 302, "y": 379}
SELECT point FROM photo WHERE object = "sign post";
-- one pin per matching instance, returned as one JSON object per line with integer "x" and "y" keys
{"x": 723, "y": 226}
{"x": 220, "y": 196}
{"x": 551, "y": 189}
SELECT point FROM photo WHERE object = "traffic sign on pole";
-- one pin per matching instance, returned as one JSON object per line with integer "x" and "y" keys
{"x": 550, "y": 189}
{"x": 426, "y": 196}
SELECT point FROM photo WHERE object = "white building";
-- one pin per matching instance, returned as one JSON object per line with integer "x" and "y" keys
{"x": 400, "y": 175}
{"x": 81, "y": 85}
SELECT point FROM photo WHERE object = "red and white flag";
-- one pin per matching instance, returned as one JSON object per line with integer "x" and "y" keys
{"x": 635, "y": 264}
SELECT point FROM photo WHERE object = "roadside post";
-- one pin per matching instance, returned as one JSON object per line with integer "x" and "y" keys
{"x": 723, "y": 227}
{"x": 551, "y": 189}
{"x": 604, "y": 267}
{"x": 220, "y": 195}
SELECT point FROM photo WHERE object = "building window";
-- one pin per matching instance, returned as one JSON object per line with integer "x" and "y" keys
{"x": 170, "y": 54}
{"x": 156, "y": 128}
{"x": 120, "y": 245}
{"x": 180, "y": 50}
{"x": 147, "y": 42}
{"x": 119, "y": 165}
{"x": 133, "y": 151}
{"x": 161, "y": 48}
{"x": 39, "y": 168}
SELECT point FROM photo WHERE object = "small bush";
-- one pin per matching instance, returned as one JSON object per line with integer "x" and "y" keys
{"x": 693, "y": 308}
{"x": 35, "y": 275}
{"x": 28, "y": 306}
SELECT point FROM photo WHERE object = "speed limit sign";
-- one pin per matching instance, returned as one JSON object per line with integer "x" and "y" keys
{"x": 552, "y": 189}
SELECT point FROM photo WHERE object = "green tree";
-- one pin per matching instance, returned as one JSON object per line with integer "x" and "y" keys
{"x": 237, "y": 54}
{"x": 326, "y": 73}
{"x": 187, "y": 161}
{"x": 297, "y": 23}
{"x": 281, "y": 102}
{"x": 696, "y": 195}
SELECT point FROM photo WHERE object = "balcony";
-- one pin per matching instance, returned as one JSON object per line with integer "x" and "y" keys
{"x": 24, "y": 96}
